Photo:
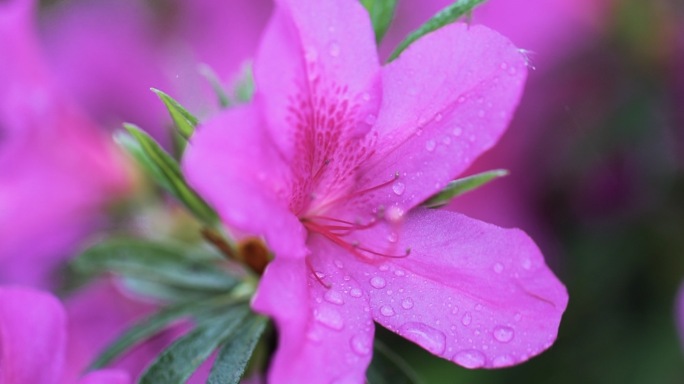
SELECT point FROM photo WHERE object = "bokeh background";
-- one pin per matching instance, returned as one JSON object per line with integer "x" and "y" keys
{"x": 596, "y": 154}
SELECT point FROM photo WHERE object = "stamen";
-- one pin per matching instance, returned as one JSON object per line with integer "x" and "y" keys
{"x": 359, "y": 193}
{"x": 320, "y": 280}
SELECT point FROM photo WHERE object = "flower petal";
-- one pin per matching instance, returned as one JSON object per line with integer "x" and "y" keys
{"x": 232, "y": 162}
{"x": 317, "y": 60}
{"x": 446, "y": 100}
{"x": 325, "y": 333}
{"x": 470, "y": 292}
{"x": 32, "y": 336}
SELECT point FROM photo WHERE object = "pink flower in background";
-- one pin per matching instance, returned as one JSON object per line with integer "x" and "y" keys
{"x": 59, "y": 170}
{"x": 679, "y": 313}
{"x": 33, "y": 339}
{"x": 331, "y": 162}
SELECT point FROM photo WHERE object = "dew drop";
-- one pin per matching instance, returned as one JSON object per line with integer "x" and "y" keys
{"x": 311, "y": 55}
{"x": 502, "y": 361}
{"x": 462, "y": 99}
{"x": 394, "y": 214}
{"x": 378, "y": 282}
{"x": 455, "y": 310}
{"x": 384, "y": 268}
{"x": 504, "y": 66}
{"x": 407, "y": 303}
{"x": 370, "y": 119}
{"x": 355, "y": 292}
{"x": 457, "y": 131}
{"x": 467, "y": 319}
{"x": 478, "y": 307}
{"x": 503, "y": 334}
{"x": 470, "y": 359}
{"x": 518, "y": 316}
{"x": 392, "y": 237}
{"x": 387, "y": 310}
{"x": 338, "y": 264}
{"x": 360, "y": 345}
{"x": 498, "y": 267}
{"x": 430, "y": 145}
{"x": 334, "y": 49}
{"x": 425, "y": 336}
{"x": 512, "y": 71}
{"x": 446, "y": 140}
{"x": 438, "y": 117}
{"x": 329, "y": 317}
{"x": 527, "y": 264}
{"x": 398, "y": 188}
{"x": 399, "y": 272}
{"x": 366, "y": 96}
{"x": 333, "y": 297}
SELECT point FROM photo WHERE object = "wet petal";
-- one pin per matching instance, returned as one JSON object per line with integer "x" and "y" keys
{"x": 446, "y": 100}
{"x": 32, "y": 336}
{"x": 317, "y": 68}
{"x": 324, "y": 324}
{"x": 232, "y": 162}
{"x": 470, "y": 292}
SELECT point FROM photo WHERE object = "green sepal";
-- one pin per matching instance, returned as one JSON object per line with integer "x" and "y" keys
{"x": 461, "y": 186}
{"x": 164, "y": 264}
{"x": 446, "y": 16}
{"x": 389, "y": 368}
{"x": 232, "y": 360}
{"x": 244, "y": 87}
{"x": 165, "y": 171}
{"x": 381, "y": 14}
{"x": 215, "y": 82}
{"x": 177, "y": 363}
{"x": 185, "y": 121}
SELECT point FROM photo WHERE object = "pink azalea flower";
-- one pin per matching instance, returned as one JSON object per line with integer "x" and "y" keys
{"x": 330, "y": 164}
{"x": 33, "y": 339}
{"x": 59, "y": 170}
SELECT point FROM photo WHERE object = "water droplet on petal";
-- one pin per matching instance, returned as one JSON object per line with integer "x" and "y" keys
{"x": 430, "y": 145}
{"x": 334, "y": 297}
{"x": 504, "y": 66}
{"x": 527, "y": 264}
{"x": 512, "y": 71}
{"x": 334, "y": 49}
{"x": 398, "y": 188}
{"x": 355, "y": 292}
{"x": 329, "y": 317}
{"x": 370, "y": 119}
{"x": 438, "y": 117}
{"x": 387, "y": 311}
{"x": 366, "y": 96}
{"x": 502, "y": 361}
{"x": 503, "y": 334}
{"x": 392, "y": 237}
{"x": 466, "y": 319}
{"x": 446, "y": 140}
{"x": 407, "y": 303}
{"x": 384, "y": 268}
{"x": 399, "y": 272}
{"x": 394, "y": 214}
{"x": 457, "y": 131}
{"x": 518, "y": 316}
{"x": 360, "y": 345}
{"x": 461, "y": 99}
{"x": 498, "y": 267}
{"x": 470, "y": 359}
{"x": 425, "y": 336}
{"x": 311, "y": 54}
{"x": 338, "y": 264}
{"x": 378, "y": 282}
{"x": 478, "y": 307}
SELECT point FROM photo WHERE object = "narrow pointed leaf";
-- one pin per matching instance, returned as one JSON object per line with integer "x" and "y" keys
{"x": 185, "y": 121}
{"x": 244, "y": 88}
{"x": 154, "y": 262}
{"x": 381, "y": 13}
{"x": 215, "y": 82}
{"x": 177, "y": 363}
{"x": 389, "y": 368}
{"x": 232, "y": 361}
{"x": 166, "y": 171}
{"x": 446, "y": 16}
{"x": 461, "y": 186}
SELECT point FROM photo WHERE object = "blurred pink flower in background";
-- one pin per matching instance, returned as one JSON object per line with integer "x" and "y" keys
{"x": 330, "y": 163}
{"x": 33, "y": 340}
{"x": 58, "y": 169}
{"x": 679, "y": 313}
{"x": 109, "y": 53}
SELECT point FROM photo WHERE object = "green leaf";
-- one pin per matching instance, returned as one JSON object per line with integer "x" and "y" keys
{"x": 244, "y": 87}
{"x": 461, "y": 186}
{"x": 166, "y": 171}
{"x": 154, "y": 262}
{"x": 446, "y": 16}
{"x": 232, "y": 360}
{"x": 381, "y": 13}
{"x": 184, "y": 120}
{"x": 177, "y": 363}
{"x": 389, "y": 368}
{"x": 216, "y": 85}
